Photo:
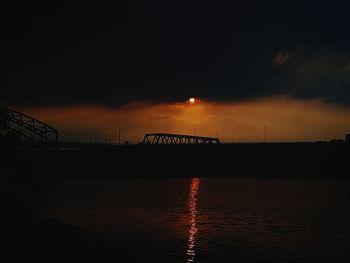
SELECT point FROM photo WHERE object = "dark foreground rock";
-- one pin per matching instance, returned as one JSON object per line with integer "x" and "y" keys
{"x": 50, "y": 240}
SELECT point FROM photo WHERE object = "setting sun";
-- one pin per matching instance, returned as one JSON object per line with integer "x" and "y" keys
{"x": 192, "y": 100}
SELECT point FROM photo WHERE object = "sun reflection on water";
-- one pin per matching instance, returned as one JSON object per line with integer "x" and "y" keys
{"x": 192, "y": 205}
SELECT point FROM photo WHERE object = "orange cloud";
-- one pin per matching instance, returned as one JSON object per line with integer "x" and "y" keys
{"x": 282, "y": 58}
{"x": 285, "y": 120}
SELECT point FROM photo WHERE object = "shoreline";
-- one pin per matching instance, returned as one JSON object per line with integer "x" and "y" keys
{"x": 265, "y": 159}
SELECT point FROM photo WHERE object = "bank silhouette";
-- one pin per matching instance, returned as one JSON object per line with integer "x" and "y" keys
{"x": 33, "y": 145}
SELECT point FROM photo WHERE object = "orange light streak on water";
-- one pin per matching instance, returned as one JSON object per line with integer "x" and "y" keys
{"x": 192, "y": 205}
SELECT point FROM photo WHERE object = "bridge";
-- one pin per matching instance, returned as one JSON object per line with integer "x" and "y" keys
{"x": 26, "y": 127}
{"x": 167, "y": 138}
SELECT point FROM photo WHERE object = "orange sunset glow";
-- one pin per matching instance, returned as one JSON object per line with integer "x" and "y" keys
{"x": 283, "y": 120}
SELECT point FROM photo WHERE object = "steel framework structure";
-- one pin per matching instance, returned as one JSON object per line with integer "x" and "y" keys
{"x": 28, "y": 128}
{"x": 167, "y": 138}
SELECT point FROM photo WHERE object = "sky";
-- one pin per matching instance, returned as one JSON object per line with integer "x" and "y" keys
{"x": 138, "y": 59}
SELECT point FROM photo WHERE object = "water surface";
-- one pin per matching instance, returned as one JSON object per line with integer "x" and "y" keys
{"x": 196, "y": 219}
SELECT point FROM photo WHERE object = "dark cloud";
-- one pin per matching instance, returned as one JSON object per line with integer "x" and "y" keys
{"x": 316, "y": 73}
{"x": 101, "y": 53}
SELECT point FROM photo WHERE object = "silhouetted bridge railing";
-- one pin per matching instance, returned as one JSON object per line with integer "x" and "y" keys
{"x": 167, "y": 138}
{"x": 28, "y": 128}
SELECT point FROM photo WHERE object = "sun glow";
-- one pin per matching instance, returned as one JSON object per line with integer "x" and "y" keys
{"x": 192, "y": 100}
{"x": 285, "y": 120}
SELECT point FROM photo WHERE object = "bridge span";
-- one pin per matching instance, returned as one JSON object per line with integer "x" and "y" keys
{"x": 168, "y": 138}
{"x": 26, "y": 127}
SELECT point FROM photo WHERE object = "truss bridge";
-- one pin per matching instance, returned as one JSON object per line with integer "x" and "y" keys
{"x": 26, "y": 127}
{"x": 167, "y": 138}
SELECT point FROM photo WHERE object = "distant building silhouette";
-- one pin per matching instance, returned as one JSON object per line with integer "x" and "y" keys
{"x": 347, "y": 138}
